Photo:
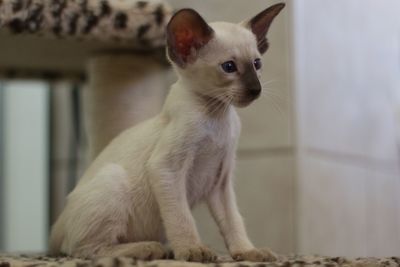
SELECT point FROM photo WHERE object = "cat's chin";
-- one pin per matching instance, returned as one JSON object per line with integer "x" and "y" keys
{"x": 242, "y": 103}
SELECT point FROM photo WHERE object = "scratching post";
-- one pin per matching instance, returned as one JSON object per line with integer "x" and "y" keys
{"x": 123, "y": 90}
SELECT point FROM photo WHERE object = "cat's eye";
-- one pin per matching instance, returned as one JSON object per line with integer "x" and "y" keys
{"x": 229, "y": 66}
{"x": 257, "y": 64}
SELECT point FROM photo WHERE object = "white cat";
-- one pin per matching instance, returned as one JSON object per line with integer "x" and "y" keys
{"x": 138, "y": 194}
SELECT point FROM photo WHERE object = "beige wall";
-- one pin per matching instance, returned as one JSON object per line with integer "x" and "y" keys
{"x": 347, "y": 82}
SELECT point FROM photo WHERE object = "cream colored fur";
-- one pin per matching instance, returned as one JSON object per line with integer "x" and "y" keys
{"x": 138, "y": 194}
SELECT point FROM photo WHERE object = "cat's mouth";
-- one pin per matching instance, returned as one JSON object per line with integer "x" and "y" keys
{"x": 238, "y": 100}
{"x": 246, "y": 99}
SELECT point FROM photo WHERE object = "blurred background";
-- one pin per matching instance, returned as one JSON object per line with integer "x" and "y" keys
{"x": 318, "y": 168}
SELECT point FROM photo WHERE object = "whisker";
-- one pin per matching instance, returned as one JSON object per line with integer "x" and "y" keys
{"x": 272, "y": 80}
{"x": 278, "y": 99}
{"x": 268, "y": 82}
{"x": 215, "y": 102}
{"x": 228, "y": 105}
{"x": 269, "y": 91}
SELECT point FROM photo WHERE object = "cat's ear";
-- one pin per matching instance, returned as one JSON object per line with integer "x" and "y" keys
{"x": 260, "y": 24}
{"x": 187, "y": 32}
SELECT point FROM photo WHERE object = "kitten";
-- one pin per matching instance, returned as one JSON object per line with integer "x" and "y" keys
{"x": 138, "y": 194}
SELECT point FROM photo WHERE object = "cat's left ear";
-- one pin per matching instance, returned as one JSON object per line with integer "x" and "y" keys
{"x": 260, "y": 24}
{"x": 187, "y": 32}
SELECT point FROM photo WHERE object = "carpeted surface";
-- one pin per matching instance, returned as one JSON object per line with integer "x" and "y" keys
{"x": 283, "y": 261}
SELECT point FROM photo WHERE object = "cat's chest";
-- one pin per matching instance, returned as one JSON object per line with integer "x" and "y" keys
{"x": 213, "y": 144}
{"x": 210, "y": 159}
{"x": 206, "y": 170}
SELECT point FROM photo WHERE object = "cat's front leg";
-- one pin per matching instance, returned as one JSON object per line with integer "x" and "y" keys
{"x": 168, "y": 169}
{"x": 222, "y": 204}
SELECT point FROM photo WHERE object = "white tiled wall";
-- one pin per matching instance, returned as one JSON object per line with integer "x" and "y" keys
{"x": 346, "y": 84}
{"x": 383, "y": 213}
{"x": 350, "y": 72}
{"x": 347, "y": 209}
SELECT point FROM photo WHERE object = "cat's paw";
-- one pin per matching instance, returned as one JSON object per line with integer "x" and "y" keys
{"x": 255, "y": 255}
{"x": 195, "y": 253}
{"x": 149, "y": 251}
{"x": 139, "y": 250}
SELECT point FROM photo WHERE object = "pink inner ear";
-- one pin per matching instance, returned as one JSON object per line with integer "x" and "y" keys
{"x": 184, "y": 40}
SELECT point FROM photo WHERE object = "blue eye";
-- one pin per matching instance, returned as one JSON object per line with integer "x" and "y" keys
{"x": 229, "y": 66}
{"x": 257, "y": 64}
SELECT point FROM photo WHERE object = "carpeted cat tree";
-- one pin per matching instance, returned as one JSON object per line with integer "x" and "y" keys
{"x": 123, "y": 42}
{"x": 127, "y": 79}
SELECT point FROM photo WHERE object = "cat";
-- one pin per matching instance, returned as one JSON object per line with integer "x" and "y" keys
{"x": 137, "y": 195}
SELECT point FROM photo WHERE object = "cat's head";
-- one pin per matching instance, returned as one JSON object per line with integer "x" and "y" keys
{"x": 220, "y": 60}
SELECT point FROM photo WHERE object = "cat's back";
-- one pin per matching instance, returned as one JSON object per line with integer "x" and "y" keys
{"x": 129, "y": 150}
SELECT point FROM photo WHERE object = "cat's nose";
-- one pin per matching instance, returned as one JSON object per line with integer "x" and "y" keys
{"x": 255, "y": 92}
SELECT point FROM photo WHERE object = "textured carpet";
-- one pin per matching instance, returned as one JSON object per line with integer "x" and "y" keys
{"x": 283, "y": 261}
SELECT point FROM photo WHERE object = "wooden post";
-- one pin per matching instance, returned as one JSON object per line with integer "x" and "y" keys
{"x": 123, "y": 89}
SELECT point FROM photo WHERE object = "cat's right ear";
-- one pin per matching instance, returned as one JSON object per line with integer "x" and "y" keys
{"x": 260, "y": 24}
{"x": 187, "y": 32}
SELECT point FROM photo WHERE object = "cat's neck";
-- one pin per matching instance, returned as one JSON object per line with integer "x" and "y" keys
{"x": 210, "y": 106}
